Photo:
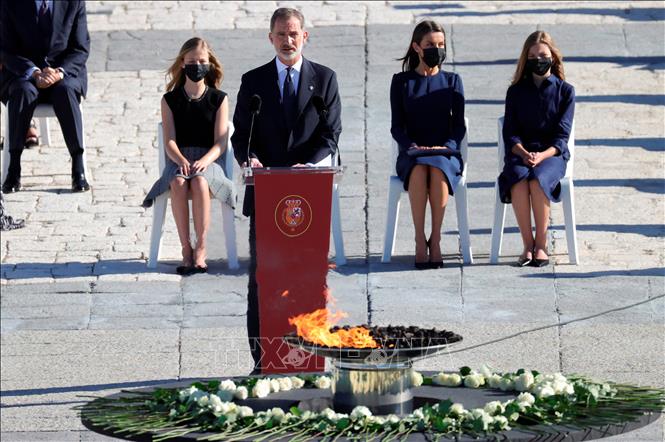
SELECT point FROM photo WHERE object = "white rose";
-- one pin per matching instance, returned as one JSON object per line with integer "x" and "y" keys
{"x": 297, "y": 382}
{"x": 418, "y": 414}
{"x": 360, "y": 412}
{"x": 285, "y": 384}
{"x": 526, "y": 398}
{"x": 329, "y": 414}
{"x": 173, "y": 412}
{"x": 416, "y": 379}
{"x": 494, "y": 381}
{"x": 278, "y": 414}
{"x": 241, "y": 393}
{"x": 376, "y": 420}
{"x": 501, "y": 422}
{"x": 229, "y": 408}
{"x": 506, "y": 384}
{"x": 457, "y": 409}
{"x": 245, "y": 411}
{"x": 524, "y": 381}
{"x": 494, "y": 407}
{"x": 543, "y": 391}
{"x": 227, "y": 384}
{"x": 486, "y": 419}
{"x": 474, "y": 380}
{"x": 184, "y": 394}
{"x": 486, "y": 371}
{"x": 197, "y": 396}
{"x": 322, "y": 382}
{"x": 307, "y": 415}
{"x": 393, "y": 419}
{"x": 261, "y": 388}
{"x": 447, "y": 380}
{"x": 225, "y": 395}
{"x": 215, "y": 401}
{"x": 274, "y": 385}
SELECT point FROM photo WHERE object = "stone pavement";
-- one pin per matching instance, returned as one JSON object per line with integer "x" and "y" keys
{"x": 82, "y": 315}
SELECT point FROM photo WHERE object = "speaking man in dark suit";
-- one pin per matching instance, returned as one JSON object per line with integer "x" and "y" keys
{"x": 44, "y": 46}
{"x": 288, "y": 130}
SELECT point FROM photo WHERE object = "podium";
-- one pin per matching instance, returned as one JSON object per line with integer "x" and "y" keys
{"x": 292, "y": 207}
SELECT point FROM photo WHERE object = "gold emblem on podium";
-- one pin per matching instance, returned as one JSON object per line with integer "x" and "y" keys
{"x": 293, "y": 215}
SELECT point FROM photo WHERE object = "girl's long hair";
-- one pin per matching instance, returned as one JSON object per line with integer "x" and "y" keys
{"x": 411, "y": 60}
{"x": 175, "y": 75}
{"x": 535, "y": 38}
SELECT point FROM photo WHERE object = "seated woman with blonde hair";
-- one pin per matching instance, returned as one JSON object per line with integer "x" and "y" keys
{"x": 195, "y": 123}
{"x": 538, "y": 119}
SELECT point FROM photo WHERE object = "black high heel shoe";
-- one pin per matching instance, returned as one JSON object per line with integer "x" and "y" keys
{"x": 434, "y": 264}
{"x": 423, "y": 265}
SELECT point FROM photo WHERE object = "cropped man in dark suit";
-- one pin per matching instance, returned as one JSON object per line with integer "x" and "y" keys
{"x": 44, "y": 45}
{"x": 288, "y": 131}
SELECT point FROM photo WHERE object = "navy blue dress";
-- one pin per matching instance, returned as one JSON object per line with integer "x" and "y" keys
{"x": 428, "y": 111}
{"x": 538, "y": 118}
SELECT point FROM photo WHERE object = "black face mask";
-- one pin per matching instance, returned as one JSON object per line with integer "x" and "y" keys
{"x": 434, "y": 56}
{"x": 539, "y": 66}
{"x": 196, "y": 72}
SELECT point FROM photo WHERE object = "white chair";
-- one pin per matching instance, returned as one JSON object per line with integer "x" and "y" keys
{"x": 159, "y": 210}
{"x": 42, "y": 113}
{"x": 336, "y": 216}
{"x": 567, "y": 198}
{"x": 395, "y": 189}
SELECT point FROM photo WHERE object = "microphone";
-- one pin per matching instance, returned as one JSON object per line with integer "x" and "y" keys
{"x": 254, "y": 109}
{"x": 322, "y": 110}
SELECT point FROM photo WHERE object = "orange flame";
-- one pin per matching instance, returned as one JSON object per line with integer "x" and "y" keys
{"x": 315, "y": 328}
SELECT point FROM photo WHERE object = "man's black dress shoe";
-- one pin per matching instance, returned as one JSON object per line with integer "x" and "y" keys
{"x": 79, "y": 183}
{"x": 436, "y": 264}
{"x": 11, "y": 185}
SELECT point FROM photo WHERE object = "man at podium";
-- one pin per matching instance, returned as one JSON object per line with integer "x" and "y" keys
{"x": 288, "y": 113}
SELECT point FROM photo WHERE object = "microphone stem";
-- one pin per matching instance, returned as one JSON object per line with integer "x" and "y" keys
{"x": 249, "y": 141}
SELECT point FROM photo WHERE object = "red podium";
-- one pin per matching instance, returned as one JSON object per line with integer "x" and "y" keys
{"x": 292, "y": 211}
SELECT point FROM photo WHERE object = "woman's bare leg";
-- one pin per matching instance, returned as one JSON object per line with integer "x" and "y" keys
{"x": 519, "y": 194}
{"x": 418, "y": 200}
{"x": 201, "y": 214}
{"x": 180, "y": 208}
{"x": 541, "y": 215}
{"x": 438, "y": 199}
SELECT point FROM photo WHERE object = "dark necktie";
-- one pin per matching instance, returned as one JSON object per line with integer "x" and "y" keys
{"x": 45, "y": 25}
{"x": 289, "y": 100}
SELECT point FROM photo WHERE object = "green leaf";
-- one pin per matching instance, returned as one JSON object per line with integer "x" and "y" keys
{"x": 295, "y": 411}
{"x": 343, "y": 423}
{"x": 519, "y": 372}
{"x": 213, "y": 386}
{"x": 465, "y": 371}
{"x": 444, "y": 407}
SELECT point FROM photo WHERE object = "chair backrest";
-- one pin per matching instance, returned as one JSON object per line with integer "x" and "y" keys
{"x": 226, "y": 160}
{"x": 464, "y": 147}
{"x": 571, "y": 147}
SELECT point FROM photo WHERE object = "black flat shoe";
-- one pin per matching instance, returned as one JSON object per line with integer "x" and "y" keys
{"x": 11, "y": 185}
{"x": 524, "y": 261}
{"x": 184, "y": 270}
{"x": 200, "y": 269}
{"x": 79, "y": 183}
{"x": 436, "y": 264}
{"x": 422, "y": 265}
{"x": 540, "y": 262}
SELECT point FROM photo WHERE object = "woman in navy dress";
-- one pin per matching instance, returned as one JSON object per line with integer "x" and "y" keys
{"x": 428, "y": 124}
{"x": 538, "y": 118}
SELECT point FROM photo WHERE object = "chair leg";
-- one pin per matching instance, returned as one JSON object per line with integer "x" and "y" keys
{"x": 44, "y": 131}
{"x": 158, "y": 216}
{"x": 5, "y": 146}
{"x": 497, "y": 228}
{"x": 338, "y": 236}
{"x": 229, "y": 222}
{"x": 463, "y": 222}
{"x": 568, "y": 199}
{"x": 392, "y": 216}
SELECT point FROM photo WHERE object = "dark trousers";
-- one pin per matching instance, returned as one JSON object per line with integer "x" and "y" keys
{"x": 24, "y": 97}
{"x": 253, "y": 329}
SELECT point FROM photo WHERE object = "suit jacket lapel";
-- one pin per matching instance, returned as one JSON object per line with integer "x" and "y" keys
{"x": 305, "y": 86}
{"x": 305, "y": 91}
{"x": 57, "y": 15}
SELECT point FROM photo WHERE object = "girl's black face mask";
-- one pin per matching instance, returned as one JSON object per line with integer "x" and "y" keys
{"x": 196, "y": 72}
{"x": 539, "y": 66}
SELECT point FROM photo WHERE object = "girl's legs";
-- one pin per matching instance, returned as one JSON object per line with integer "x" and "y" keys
{"x": 541, "y": 215}
{"x": 180, "y": 207}
{"x": 438, "y": 199}
{"x": 201, "y": 215}
{"x": 519, "y": 195}
{"x": 418, "y": 200}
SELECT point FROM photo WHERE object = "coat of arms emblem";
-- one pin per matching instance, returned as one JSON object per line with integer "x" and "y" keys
{"x": 293, "y": 215}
